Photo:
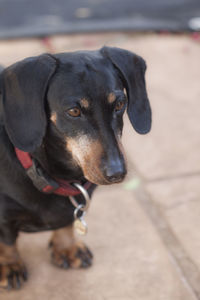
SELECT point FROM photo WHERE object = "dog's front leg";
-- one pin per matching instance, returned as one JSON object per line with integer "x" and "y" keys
{"x": 12, "y": 268}
{"x": 67, "y": 252}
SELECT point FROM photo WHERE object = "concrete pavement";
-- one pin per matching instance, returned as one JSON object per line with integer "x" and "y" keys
{"x": 145, "y": 232}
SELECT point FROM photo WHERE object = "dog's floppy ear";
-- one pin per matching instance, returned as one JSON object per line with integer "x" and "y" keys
{"x": 132, "y": 70}
{"x": 24, "y": 91}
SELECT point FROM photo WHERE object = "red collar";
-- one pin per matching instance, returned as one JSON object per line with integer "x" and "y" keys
{"x": 42, "y": 181}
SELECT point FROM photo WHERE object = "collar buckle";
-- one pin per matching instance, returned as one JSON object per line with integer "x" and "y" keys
{"x": 40, "y": 179}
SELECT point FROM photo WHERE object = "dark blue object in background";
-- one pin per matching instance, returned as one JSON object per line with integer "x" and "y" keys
{"x": 21, "y": 18}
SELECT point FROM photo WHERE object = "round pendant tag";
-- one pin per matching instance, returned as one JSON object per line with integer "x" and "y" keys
{"x": 80, "y": 226}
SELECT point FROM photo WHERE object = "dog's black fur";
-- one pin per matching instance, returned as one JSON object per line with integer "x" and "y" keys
{"x": 32, "y": 91}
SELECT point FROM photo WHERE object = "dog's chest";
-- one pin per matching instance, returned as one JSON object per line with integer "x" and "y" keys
{"x": 49, "y": 215}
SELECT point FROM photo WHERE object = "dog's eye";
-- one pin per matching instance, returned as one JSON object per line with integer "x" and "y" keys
{"x": 119, "y": 105}
{"x": 74, "y": 112}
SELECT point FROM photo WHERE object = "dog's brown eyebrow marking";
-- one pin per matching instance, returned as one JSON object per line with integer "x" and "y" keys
{"x": 84, "y": 102}
{"x": 111, "y": 98}
{"x": 53, "y": 117}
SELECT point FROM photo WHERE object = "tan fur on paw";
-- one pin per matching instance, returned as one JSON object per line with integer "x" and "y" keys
{"x": 12, "y": 275}
{"x": 76, "y": 256}
{"x": 12, "y": 269}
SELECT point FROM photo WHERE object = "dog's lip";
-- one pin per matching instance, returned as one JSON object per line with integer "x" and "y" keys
{"x": 103, "y": 181}
{"x": 97, "y": 176}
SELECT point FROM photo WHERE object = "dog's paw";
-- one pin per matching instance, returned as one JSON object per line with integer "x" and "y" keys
{"x": 76, "y": 256}
{"x": 12, "y": 275}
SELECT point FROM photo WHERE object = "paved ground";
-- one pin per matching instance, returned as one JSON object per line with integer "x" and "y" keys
{"x": 145, "y": 232}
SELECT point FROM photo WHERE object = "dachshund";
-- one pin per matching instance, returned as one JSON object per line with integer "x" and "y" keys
{"x": 61, "y": 120}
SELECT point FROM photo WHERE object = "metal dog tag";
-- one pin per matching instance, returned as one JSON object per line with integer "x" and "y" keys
{"x": 80, "y": 226}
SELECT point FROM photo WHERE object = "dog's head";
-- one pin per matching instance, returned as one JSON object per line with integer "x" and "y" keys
{"x": 78, "y": 101}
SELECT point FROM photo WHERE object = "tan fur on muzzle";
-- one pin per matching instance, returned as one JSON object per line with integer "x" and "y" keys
{"x": 88, "y": 153}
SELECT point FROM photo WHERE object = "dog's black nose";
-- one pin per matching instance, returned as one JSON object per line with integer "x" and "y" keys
{"x": 115, "y": 171}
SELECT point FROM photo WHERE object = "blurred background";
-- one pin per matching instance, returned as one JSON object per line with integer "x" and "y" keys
{"x": 144, "y": 232}
{"x": 44, "y": 17}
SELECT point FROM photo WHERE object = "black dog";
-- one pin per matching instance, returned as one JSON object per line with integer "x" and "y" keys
{"x": 61, "y": 122}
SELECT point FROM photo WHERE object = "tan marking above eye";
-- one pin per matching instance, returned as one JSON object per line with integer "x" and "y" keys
{"x": 53, "y": 117}
{"x": 111, "y": 98}
{"x": 84, "y": 102}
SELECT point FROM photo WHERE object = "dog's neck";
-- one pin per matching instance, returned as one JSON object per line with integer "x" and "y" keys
{"x": 43, "y": 182}
{"x": 56, "y": 161}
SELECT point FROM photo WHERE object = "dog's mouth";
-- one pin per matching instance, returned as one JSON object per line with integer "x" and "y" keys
{"x": 88, "y": 156}
{"x": 95, "y": 176}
